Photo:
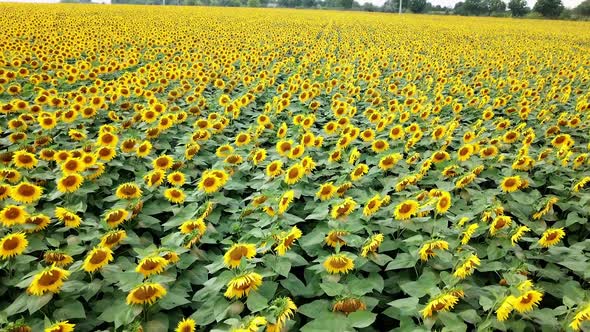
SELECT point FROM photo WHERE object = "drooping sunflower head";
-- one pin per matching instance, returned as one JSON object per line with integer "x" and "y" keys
{"x": 406, "y": 209}
{"x": 146, "y": 293}
{"x": 334, "y": 238}
{"x": 282, "y": 309}
{"x": 233, "y": 256}
{"x": 338, "y": 263}
{"x": 97, "y": 258}
{"x": 372, "y": 244}
{"x": 241, "y": 285}
{"x": 348, "y": 305}
{"x": 443, "y": 302}
{"x": 50, "y": 279}
{"x": 151, "y": 265}
{"x": 113, "y": 238}
{"x": 128, "y": 190}
{"x": 63, "y": 326}
{"x": 58, "y": 258}
{"x": 285, "y": 242}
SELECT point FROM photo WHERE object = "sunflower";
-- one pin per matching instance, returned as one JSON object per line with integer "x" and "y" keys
{"x": 144, "y": 149}
{"x": 175, "y": 195}
{"x": 372, "y": 244}
{"x": 440, "y": 156}
{"x": 72, "y": 166}
{"x": 511, "y": 183}
{"x": 106, "y": 153}
{"x": 527, "y": 301}
{"x": 146, "y": 293}
{"x": 151, "y": 265}
{"x": 4, "y": 191}
{"x": 326, "y": 191}
{"x": 36, "y": 223}
{"x": 283, "y": 147}
{"x": 338, "y": 263}
{"x": 343, "y": 209}
{"x": 428, "y": 249}
{"x": 582, "y": 315}
{"x": 190, "y": 226}
{"x": 62, "y": 326}
{"x": 389, "y": 161}
{"x": 13, "y": 215}
{"x": 24, "y": 159}
{"x": 186, "y": 325}
{"x": 379, "y": 146}
{"x": 348, "y": 305}
{"x": 128, "y": 190}
{"x": 518, "y": 234}
{"x": 465, "y": 152}
{"x": 13, "y": 244}
{"x": 443, "y": 302}
{"x": 444, "y": 203}
{"x": 505, "y": 308}
{"x": 551, "y": 237}
{"x": 334, "y": 238}
{"x": 468, "y": 233}
{"x": 294, "y": 174}
{"x": 70, "y": 183}
{"x": 57, "y": 258}
{"x": 281, "y": 309}
{"x": 359, "y": 172}
{"x": 233, "y": 255}
{"x": 285, "y": 201}
{"x": 176, "y": 179}
{"x": 97, "y": 258}
{"x": 69, "y": 218}
{"x": 51, "y": 279}
{"x": 467, "y": 268}
{"x": 26, "y": 193}
{"x": 372, "y": 205}
{"x": 107, "y": 139}
{"x": 499, "y": 223}
{"x": 163, "y": 162}
{"x": 112, "y": 238}
{"x": 241, "y": 285}
{"x": 274, "y": 168}
{"x": 406, "y": 209}
{"x": 114, "y": 218}
{"x": 242, "y": 139}
{"x": 209, "y": 183}
{"x": 285, "y": 241}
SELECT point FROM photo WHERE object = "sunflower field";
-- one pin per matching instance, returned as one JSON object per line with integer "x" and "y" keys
{"x": 213, "y": 169}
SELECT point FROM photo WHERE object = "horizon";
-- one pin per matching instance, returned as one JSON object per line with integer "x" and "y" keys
{"x": 444, "y": 3}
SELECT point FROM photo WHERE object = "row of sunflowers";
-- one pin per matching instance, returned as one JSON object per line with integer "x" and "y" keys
{"x": 184, "y": 169}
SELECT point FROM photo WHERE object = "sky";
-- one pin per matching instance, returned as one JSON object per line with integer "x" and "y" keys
{"x": 451, "y": 3}
{"x": 447, "y": 3}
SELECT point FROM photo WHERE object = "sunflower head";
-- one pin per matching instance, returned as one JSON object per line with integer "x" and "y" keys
{"x": 146, "y": 293}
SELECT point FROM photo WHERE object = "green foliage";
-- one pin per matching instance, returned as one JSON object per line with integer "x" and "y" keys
{"x": 549, "y": 8}
{"x": 518, "y": 8}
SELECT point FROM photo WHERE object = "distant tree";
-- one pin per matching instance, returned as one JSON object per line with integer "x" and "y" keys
{"x": 476, "y": 7}
{"x": 583, "y": 8}
{"x": 418, "y": 6}
{"x": 369, "y": 7}
{"x": 253, "y": 3}
{"x": 346, "y": 3}
{"x": 549, "y": 8}
{"x": 518, "y": 7}
{"x": 308, "y": 3}
{"x": 496, "y": 6}
{"x": 459, "y": 8}
{"x": 392, "y": 5}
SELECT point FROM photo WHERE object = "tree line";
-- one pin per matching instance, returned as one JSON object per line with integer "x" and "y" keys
{"x": 515, "y": 8}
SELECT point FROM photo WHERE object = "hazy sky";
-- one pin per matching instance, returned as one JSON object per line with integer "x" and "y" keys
{"x": 448, "y": 3}
{"x": 451, "y": 3}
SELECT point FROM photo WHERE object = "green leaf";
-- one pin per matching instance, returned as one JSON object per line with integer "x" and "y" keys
{"x": 403, "y": 308}
{"x": 315, "y": 309}
{"x": 34, "y": 303}
{"x": 452, "y": 322}
{"x": 332, "y": 288}
{"x": 361, "y": 318}
{"x": 72, "y": 310}
{"x": 256, "y": 301}
{"x": 401, "y": 261}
